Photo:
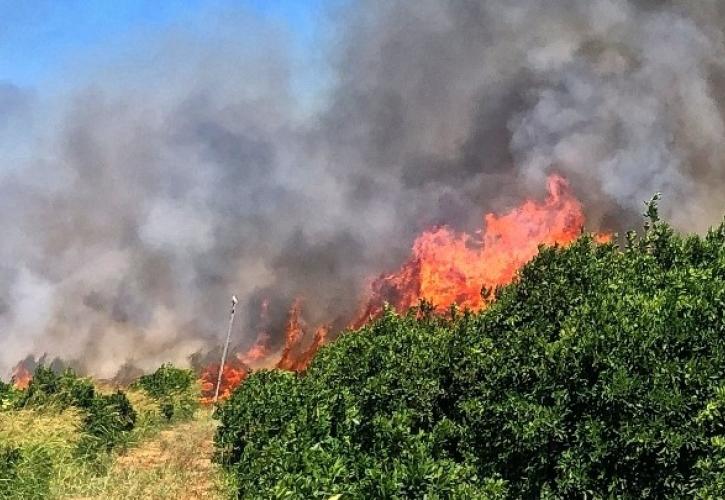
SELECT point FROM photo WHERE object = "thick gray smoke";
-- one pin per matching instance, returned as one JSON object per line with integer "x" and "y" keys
{"x": 135, "y": 203}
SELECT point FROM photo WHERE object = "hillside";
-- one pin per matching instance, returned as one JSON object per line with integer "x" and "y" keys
{"x": 600, "y": 372}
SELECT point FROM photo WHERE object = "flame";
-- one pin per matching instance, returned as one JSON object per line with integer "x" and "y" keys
{"x": 296, "y": 357}
{"x": 233, "y": 374}
{"x": 257, "y": 352}
{"x": 449, "y": 268}
{"x": 21, "y": 376}
{"x": 302, "y": 357}
{"x": 260, "y": 349}
{"x": 446, "y": 267}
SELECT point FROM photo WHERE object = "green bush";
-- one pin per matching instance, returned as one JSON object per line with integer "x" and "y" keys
{"x": 174, "y": 389}
{"x": 47, "y": 388}
{"x": 600, "y": 372}
{"x": 9, "y": 396}
{"x": 108, "y": 420}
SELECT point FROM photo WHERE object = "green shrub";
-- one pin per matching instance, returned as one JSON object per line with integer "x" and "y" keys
{"x": 600, "y": 372}
{"x": 108, "y": 420}
{"x": 174, "y": 389}
{"x": 9, "y": 396}
{"x": 47, "y": 388}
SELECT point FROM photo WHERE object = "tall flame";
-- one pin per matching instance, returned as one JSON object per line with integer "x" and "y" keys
{"x": 448, "y": 268}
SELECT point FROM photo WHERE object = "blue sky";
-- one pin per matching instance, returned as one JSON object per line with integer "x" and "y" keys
{"x": 38, "y": 37}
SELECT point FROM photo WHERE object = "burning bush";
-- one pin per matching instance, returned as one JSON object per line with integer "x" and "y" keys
{"x": 174, "y": 389}
{"x": 599, "y": 371}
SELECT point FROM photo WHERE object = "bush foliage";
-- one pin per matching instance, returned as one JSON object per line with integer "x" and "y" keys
{"x": 174, "y": 389}
{"x": 107, "y": 418}
{"x": 8, "y": 396}
{"x": 600, "y": 372}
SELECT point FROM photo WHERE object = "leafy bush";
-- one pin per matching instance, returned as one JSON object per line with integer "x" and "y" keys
{"x": 9, "y": 396}
{"x": 599, "y": 373}
{"x": 107, "y": 418}
{"x": 61, "y": 391}
{"x": 107, "y": 421}
{"x": 174, "y": 389}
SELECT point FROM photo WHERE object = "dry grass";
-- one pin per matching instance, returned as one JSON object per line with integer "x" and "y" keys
{"x": 55, "y": 434}
{"x": 176, "y": 463}
{"x": 47, "y": 428}
{"x": 158, "y": 461}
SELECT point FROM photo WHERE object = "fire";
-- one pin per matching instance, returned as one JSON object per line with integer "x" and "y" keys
{"x": 233, "y": 374}
{"x": 259, "y": 349}
{"x": 21, "y": 376}
{"x": 295, "y": 357}
{"x": 448, "y": 268}
{"x": 294, "y": 332}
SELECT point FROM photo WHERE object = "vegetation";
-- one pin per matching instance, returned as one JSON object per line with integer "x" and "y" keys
{"x": 66, "y": 437}
{"x": 8, "y": 395}
{"x": 106, "y": 420}
{"x": 176, "y": 391}
{"x": 599, "y": 373}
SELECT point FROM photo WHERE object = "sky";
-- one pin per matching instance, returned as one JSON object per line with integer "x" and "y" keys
{"x": 39, "y": 38}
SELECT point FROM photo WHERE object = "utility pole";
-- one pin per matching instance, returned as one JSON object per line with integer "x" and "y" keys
{"x": 226, "y": 348}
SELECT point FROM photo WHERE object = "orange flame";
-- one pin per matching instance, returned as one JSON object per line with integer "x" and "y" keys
{"x": 257, "y": 352}
{"x": 452, "y": 268}
{"x": 237, "y": 368}
{"x": 445, "y": 268}
{"x": 294, "y": 331}
{"x": 21, "y": 377}
{"x": 297, "y": 358}
{"x": 233, "y": 374}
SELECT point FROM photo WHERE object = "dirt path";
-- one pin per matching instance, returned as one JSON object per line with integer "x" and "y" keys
{"x": 176, "y": 463}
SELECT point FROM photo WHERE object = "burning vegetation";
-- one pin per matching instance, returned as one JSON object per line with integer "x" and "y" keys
{"x": 445, "y": 268}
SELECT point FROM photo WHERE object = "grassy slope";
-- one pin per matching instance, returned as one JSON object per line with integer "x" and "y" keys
{"x": 156, "y": 461}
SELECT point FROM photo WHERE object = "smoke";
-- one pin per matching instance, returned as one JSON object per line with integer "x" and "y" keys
{"x": 194, "y": 165}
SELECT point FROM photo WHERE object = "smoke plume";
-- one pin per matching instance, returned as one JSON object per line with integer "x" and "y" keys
{"x": 191, "y": 166}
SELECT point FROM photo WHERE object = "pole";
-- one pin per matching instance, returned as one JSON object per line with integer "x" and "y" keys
{"x": 226, "y": 347}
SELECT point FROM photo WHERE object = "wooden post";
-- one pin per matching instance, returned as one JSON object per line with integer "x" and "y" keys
{"x": 226, "y": 348}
